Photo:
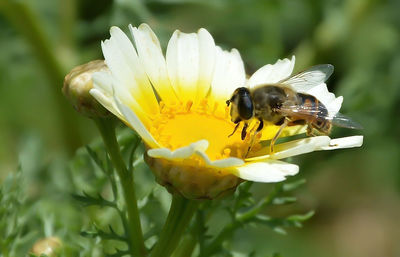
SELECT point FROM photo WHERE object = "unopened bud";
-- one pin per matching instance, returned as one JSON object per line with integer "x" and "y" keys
{"x": 50, "y": 246}
{"x": 77, "y": 85}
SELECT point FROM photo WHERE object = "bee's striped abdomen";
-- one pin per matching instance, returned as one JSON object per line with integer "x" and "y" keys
{"x": 315, "y": 107}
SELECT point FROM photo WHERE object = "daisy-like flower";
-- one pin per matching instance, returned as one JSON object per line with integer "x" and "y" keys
{"x": 177, "y": 105}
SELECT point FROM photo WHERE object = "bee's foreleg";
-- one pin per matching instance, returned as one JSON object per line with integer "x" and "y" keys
{"x": 259, "y": 128}
{"x": 244, "y": 131}
{"x": 273, "y": 140}
{"x": 234, "y": 130}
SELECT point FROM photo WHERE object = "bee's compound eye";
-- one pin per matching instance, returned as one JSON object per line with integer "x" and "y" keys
{"x": 245, "y": 107}
{"x": 228, "y": 102}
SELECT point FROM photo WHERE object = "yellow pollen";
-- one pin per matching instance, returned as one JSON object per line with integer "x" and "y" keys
{"x": 181, "y": 124}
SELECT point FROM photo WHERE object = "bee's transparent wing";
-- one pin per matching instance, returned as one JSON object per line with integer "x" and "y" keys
{"x": 309, "y": 78}
{"x": 298, "y": 111}
{"x": 340, "y": 120}
{"x": 308, "y": 112}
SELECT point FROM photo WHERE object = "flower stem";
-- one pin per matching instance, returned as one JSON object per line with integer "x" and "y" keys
{"x": 134, "y": 233}
{"x": 179, "y": 216}
{"x": 186, "y": 247}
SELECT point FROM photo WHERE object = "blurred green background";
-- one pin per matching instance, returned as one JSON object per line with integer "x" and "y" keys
{"x": 355, "y": 192}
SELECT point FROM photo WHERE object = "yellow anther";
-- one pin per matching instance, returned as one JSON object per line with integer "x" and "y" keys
{"x": 227, "y": 152}
{"x": 227, "y": 114}
{"x": 189, "y": 105}
{"x": 215, "y": 107}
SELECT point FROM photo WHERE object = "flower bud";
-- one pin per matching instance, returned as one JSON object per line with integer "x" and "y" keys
{"x": 192, "y": 181}
{"x": 50, "y": 246}
{"x": 77, "y": 85}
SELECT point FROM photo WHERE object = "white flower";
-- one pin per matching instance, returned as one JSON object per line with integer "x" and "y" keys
{"x": 186, "y": 123}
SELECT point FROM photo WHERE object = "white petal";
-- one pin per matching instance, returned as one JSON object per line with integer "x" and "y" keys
{"x": 183, "y": 64}
{"x": 103, "y": 81}
{"x": 272, "y": 73}
{"x": 329, "y": 99}
{"x": 107, "y": 102}
{"x": 206, "y": 62}
{"x": 198, "y": 148}
{"x": 136, "y": 124}
{"x": 110, "y": 87}
{"x": 266, "y": 171}
{"x": 229, "y": 73}
{"x": 172, "y": 60}
{"x": 151, "y": 56}
{"x": 334, "y": 106}
{"x": 293, "y": 148}
{"x": 180, "y": 153}
{"x": 344, "y": 142}
{"x": 125, "y": 66}
{"x": 223, "y": 163}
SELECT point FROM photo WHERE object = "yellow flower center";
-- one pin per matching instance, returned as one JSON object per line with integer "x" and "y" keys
{"x": 181, "y": 124}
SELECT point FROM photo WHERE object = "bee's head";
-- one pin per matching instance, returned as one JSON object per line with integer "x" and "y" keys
{"x": 242, "y": 105}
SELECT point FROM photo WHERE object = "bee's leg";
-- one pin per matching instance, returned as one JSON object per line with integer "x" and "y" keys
{"x": 259, "y": 128}
{"x": 244, "y": 131}
{"x": 273, "y": 140}
{"x": 309, "y": 130}
{"x": 234, "y": 130}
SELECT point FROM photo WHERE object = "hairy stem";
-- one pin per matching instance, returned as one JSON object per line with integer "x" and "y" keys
{"x": 179, "y": 216}
{"x": 186, "y": 247}
{"x": 134, "y": 233}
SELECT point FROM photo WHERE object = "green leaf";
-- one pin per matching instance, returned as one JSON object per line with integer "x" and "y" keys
{"x": 94, "y": 156}
{"x": 104, "y": 235}
{"x": 88, "y": 200}
{"x": 279, "y": 230}
{"x": 301, "y": 217}
{"x": 118, "y": 253}
{"x": 293, "y": 185}
{"x": 284, "y": 200}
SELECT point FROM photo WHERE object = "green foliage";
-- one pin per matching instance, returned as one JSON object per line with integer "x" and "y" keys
{"x": 28, "y": 213}
{"x": 105, "y": 215}
{"x": 13, "y": 225}
{"x": 244, "y": 211}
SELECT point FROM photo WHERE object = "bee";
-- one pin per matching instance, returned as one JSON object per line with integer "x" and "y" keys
{"x": 280, "y": 104}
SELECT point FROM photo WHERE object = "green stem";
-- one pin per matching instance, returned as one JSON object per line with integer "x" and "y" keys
{"x": 135, "y": 235}
{"x": 68, "y": 9}
{"x": 186, "y": 246}
{"x": 178, "y": 219}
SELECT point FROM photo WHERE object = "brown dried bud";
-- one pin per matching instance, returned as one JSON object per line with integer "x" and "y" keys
{"x": 77, "y": 85}
{"x": 51, "y": 246}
